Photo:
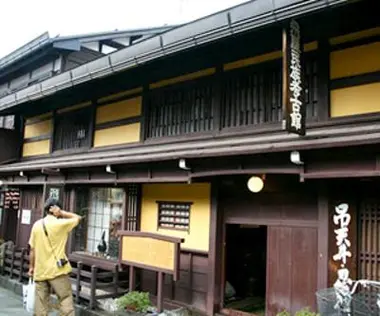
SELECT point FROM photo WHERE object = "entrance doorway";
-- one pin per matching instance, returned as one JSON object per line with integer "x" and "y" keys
{"x": 245, "y": 271}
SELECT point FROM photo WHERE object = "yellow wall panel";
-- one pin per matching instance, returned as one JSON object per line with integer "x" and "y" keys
{"x": 39, "y": 117}
{"x": 117, "y": 135}
{"x": 308, "y": 47}
{"x": 119, "y": 110}
{"x": 74, "y": 107}
{"x": 252, "y": 60}
{"x": 183, "y": 78}
{"x": 36, "y": 148}
{"x": 120, "y": 94}
{"x": 38, "y": 129}
{"x": 355, "y": 36}
{"x": 197, "y": 238}
{"x": 355, "y": 61}
{"x": 355, "y": 100}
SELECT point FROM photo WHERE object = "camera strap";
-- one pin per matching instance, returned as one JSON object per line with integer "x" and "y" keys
{"x": 47, "y": 236}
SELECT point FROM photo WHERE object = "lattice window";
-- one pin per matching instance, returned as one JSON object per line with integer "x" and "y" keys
{"x": 132, "y": 219}
{"x": 311, "y": 86}
{"x": 180, "y": 110}
{"x": 174, "y": 215}
{"x": 72, "y": 130}
{"x": 369, "y": 249}
{"x": 253, "y": 95}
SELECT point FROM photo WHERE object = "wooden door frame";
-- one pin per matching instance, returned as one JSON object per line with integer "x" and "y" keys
{"x": 223, "y": 310}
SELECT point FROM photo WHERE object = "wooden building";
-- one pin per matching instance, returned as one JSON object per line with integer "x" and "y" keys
{"x": 162, "y": 137}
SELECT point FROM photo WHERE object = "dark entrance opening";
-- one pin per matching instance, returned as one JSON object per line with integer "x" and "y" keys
{"x": 246, "y": 258}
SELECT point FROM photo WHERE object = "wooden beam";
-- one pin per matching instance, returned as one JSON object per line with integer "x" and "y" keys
{"x": 323, "y": 80}
{"x": 215, "y": 255}
{"x": 323, "y": 233}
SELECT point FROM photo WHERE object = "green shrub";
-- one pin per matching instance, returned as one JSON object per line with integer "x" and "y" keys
{"x": 135, "y": 301}
{"x": 303, "y": 312}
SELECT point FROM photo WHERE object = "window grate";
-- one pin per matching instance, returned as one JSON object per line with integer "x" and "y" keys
{"x": 174, "y": 215}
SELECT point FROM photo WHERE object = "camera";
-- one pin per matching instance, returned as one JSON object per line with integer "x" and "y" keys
{"x": 61, "y": 263}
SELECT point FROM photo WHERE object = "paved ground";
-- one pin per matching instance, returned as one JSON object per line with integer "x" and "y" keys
{"x": 11, "y": 304}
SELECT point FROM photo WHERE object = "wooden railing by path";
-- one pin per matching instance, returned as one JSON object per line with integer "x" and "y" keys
{"x": 16, "y": 263}
{"x": 93, "y": 281}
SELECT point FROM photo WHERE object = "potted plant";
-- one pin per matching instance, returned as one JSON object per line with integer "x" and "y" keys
{"x": 134, "y": 302}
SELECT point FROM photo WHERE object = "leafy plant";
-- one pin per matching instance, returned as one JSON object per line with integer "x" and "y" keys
{"x": 306, "y": 312}
{"x": 303, "y": 312}
{"x": 135, "y": 301}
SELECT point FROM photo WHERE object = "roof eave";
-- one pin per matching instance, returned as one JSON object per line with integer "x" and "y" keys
{"x": 209, "y": 29}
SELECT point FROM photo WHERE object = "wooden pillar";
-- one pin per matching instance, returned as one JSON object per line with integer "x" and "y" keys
{"x": 160, "y": 291}
{"x": 323, "y": 78}
{"x": 323, "y": 236}
{"x": 78, "y": 286}
{"x": 215, "y": 255}
{"x": 94, "y": 272}
{"x": 132, "y": 279}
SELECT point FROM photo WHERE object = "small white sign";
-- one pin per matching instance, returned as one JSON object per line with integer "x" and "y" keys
{"x": 26, "y": 217}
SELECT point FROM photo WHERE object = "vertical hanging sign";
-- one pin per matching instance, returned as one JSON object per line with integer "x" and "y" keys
{"x": 342, "y": 285}
{"x": 293, "y": 94}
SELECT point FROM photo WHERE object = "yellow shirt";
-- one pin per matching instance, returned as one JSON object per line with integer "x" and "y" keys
{"x": 45, "y": 265}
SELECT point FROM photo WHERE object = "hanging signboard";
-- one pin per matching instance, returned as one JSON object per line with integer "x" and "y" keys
{"x": 293, "y": 93}
{"x": 342, "y": 285}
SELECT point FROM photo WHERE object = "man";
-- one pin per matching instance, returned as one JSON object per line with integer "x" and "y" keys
{"x": 49, "y": 265}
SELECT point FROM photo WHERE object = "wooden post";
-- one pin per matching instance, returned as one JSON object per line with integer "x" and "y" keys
{"x": 78, "y": 287}
{"x": 21, "y": 265}
{"x": 160, "y": 290}
{"x": 116, "y": 279}
{"x": 94, "y": 270}
{"x": 12, "y": 261}
{"x": 132, "y": 279}
{"x": 190, "y": 272}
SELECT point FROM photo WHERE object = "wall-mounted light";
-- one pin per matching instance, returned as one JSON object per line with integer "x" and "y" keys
{"x": 255, "y": 184}
{"x": 21, "y": 174}
{"x": 182, "y": 164}
{"x": 109, "y": 169}
{"x": 1, "y": 183}
{"x": 295, "y": 157}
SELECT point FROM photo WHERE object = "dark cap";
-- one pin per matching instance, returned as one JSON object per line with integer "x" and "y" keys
{"x": 51, "y": 202}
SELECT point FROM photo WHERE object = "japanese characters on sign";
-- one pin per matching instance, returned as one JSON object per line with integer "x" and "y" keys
{"x": 342, "y": 219}
{"x": 54, "y": 191}
{"x": 342, "y": 285}
{"x": 293, "y": 101}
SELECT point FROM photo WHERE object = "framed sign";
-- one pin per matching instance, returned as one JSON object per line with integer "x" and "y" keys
{"x": 54, "y": 191}
{"x": 152, "y": 252}
{"x": 293, "y": 91}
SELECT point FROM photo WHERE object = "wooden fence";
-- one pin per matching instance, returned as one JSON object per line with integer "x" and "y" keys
{"x": 90, "y": 282}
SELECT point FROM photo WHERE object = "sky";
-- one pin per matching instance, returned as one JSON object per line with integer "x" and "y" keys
{"x": 23, "y": 20}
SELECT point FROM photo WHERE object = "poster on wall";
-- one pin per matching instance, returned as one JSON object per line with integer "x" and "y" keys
{"x": 293, "y": 91}
{"x": 26, "y": 217}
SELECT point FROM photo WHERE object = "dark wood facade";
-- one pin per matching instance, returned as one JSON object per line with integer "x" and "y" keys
{"x": 222, "y": 113}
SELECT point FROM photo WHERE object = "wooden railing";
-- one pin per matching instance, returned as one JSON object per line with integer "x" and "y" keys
{"x": 16, "y": 263}
{"x": 91, "y": 281}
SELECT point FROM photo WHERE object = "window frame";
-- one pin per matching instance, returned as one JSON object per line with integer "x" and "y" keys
{"x": 186, "y": 227}
{"x": 88, "y": 114}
